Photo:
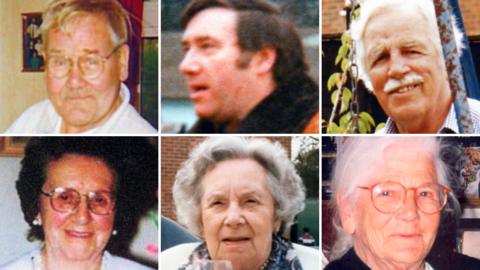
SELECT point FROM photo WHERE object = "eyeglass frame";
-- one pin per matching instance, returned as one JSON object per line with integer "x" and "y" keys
{"x": 51, "y": 193}
{"x": 71, "y": 62}
{"x": 370, "y": 188}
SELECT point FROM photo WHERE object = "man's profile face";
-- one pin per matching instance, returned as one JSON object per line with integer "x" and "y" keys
{"x": 216, "y": 83}
{"x": 400, "y": 45}
{"x": 82, "y": 102}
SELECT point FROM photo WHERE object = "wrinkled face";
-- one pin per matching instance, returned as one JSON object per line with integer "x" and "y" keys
{"x": 85, "y": 103}
{"x": 238, "y": 213}
{"x": 81, "y": 234}
{"x": 217, "y": 85}
{"x": 404, "y": 237}
{"x": 407, "y": 71}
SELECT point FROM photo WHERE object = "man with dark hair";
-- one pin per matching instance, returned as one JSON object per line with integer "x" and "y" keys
{"x": 245, "y": 69}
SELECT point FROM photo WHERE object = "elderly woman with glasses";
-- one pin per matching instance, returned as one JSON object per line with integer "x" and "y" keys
{"x": 82, "y": 197}
{"x": 390, "y": 194}
{"x": 239, "y": 195}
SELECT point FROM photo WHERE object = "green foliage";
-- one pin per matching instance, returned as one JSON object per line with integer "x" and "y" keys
{"x": 307, "y": 165}
{"x": 341, "y": 96}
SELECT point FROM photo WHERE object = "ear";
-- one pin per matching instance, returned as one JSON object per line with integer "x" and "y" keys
{"x": 263, "y": 60}
{"x": 347, "y": 217}
{"x": 123, "y": 61}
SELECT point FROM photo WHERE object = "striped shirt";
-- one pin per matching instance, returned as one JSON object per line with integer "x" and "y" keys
{"x": 449, "y": 126}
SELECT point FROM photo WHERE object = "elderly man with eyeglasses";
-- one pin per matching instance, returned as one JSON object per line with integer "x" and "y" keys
{"x": 390, "y": 196}
{"x": 86, "y": 56}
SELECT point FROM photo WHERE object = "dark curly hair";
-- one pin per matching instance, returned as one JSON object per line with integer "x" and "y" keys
{"x": 260, "y": 25}
{"x": 132, "y": 160}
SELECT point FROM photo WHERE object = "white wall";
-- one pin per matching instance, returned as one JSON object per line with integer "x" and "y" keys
{"x": 13, "y": 228}
{"x": 18, "y": 90}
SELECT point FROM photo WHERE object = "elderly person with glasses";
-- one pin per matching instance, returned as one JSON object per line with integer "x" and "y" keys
{"x": 87, "y": 59}
{"x": 390, "y": 195}
{"x": 82, "y": 197}
{"x": 239, "y": 195}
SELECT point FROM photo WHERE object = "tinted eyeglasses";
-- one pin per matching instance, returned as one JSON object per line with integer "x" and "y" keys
{"x": 66, "y": 200}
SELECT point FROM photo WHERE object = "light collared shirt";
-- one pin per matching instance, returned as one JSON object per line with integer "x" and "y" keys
{"x": 450, "y": 123}
{"x": 43, "y": 118}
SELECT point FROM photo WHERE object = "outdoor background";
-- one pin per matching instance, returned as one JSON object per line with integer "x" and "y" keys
{"x": 177, "y": 110}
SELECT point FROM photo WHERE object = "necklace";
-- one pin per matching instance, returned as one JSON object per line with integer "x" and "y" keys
{"x": 37, "y": 263}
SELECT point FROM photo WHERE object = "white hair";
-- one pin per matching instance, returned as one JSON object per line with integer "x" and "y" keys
{"x": 283, "y": 181}
{"x": 371, "y": 8}
{"x": 354, "y": 166}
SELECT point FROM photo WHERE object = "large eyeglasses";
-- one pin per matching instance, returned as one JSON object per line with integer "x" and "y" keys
{"x": 67, "y": 200}
{"x": 388, "y": 197}
{"x": 90, "y": 65}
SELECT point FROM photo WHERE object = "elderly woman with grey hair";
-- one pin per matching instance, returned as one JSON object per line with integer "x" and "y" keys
{"x": 239, "y": 195}
{"x": 390, "y": 195}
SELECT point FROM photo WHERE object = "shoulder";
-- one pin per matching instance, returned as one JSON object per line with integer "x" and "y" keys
{"x": 454, "y": 260}
{"x": 174, "y": 257}
{"x": 475, "y": 113}
{"x": 23, "y": 262}
{"x": 308, "y": 256}
{"x": 348, "y": 261}
{"x": 116, "y": 262}
{"x": 38, "y": 118}
{"x": 312, "y": 125}
{"x": 126, "y": 119}
{"x": 133, "y": 122}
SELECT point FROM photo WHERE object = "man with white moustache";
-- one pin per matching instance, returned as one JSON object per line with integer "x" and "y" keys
{"x": 400, "y": 59}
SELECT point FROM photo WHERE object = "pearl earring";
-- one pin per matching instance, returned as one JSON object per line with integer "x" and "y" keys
{"x": 37, "y": 221}
{"x": 114, "y": 232}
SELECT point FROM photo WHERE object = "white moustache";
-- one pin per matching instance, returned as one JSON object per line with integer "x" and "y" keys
{"x": 410, "y": 79}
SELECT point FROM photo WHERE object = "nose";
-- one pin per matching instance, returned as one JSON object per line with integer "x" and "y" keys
{"x": 75, "y": 77}
{"x": 234, "y": 216}
{"x": 409, "y": 210}
{"x": 82, "y": 213}
{"x": 398, "y": 66}
{"x": 190, "y": 65}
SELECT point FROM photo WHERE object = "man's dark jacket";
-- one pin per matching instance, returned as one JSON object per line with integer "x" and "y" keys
{"x": 287, "y": 110}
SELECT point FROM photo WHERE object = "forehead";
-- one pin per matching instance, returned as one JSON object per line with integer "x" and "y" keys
{"x": 406, "y": 164}
{"x": 216, "y": 23}
{"x": 81, "y": 32}
{"x": 239, "y": 174}
{"x": 84, "y": 173}
{"x": 400, "y": 25}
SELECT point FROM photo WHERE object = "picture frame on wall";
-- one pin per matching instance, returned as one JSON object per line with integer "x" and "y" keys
{"x": 12, "y": 146}
{"x": 32, "y": 43}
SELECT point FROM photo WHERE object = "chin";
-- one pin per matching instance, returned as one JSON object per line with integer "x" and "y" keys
{"x": 80, "y": 254}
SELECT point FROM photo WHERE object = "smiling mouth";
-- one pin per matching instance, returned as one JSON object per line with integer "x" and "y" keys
{"x": 78, "y": 234}
{"x": 402, "y": 89}
{"x": 407, "y": 235}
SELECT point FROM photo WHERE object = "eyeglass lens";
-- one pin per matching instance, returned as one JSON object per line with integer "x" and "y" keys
{"x": 66, "y": 200}
{"x": 388, "y": 197}
{"x": 90, "y": 66}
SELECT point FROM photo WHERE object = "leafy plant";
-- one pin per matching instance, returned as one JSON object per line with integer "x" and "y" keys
{"x": 345, "y": 117}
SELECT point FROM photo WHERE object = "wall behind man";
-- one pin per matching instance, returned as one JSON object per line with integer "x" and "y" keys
{"x": 18, "y": 90}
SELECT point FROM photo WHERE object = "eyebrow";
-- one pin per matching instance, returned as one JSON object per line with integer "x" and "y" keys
{"x": 185, "y": 41}
{"x": 376, "y": 51}
{"x": 217, "y": 194}
{"x": 87, "y": 51}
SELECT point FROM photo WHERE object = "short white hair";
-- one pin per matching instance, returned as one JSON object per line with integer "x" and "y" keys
{"x": 353, "y": 167}
{"x": 371, "y": 8}
{"x": 283, "y": 181}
